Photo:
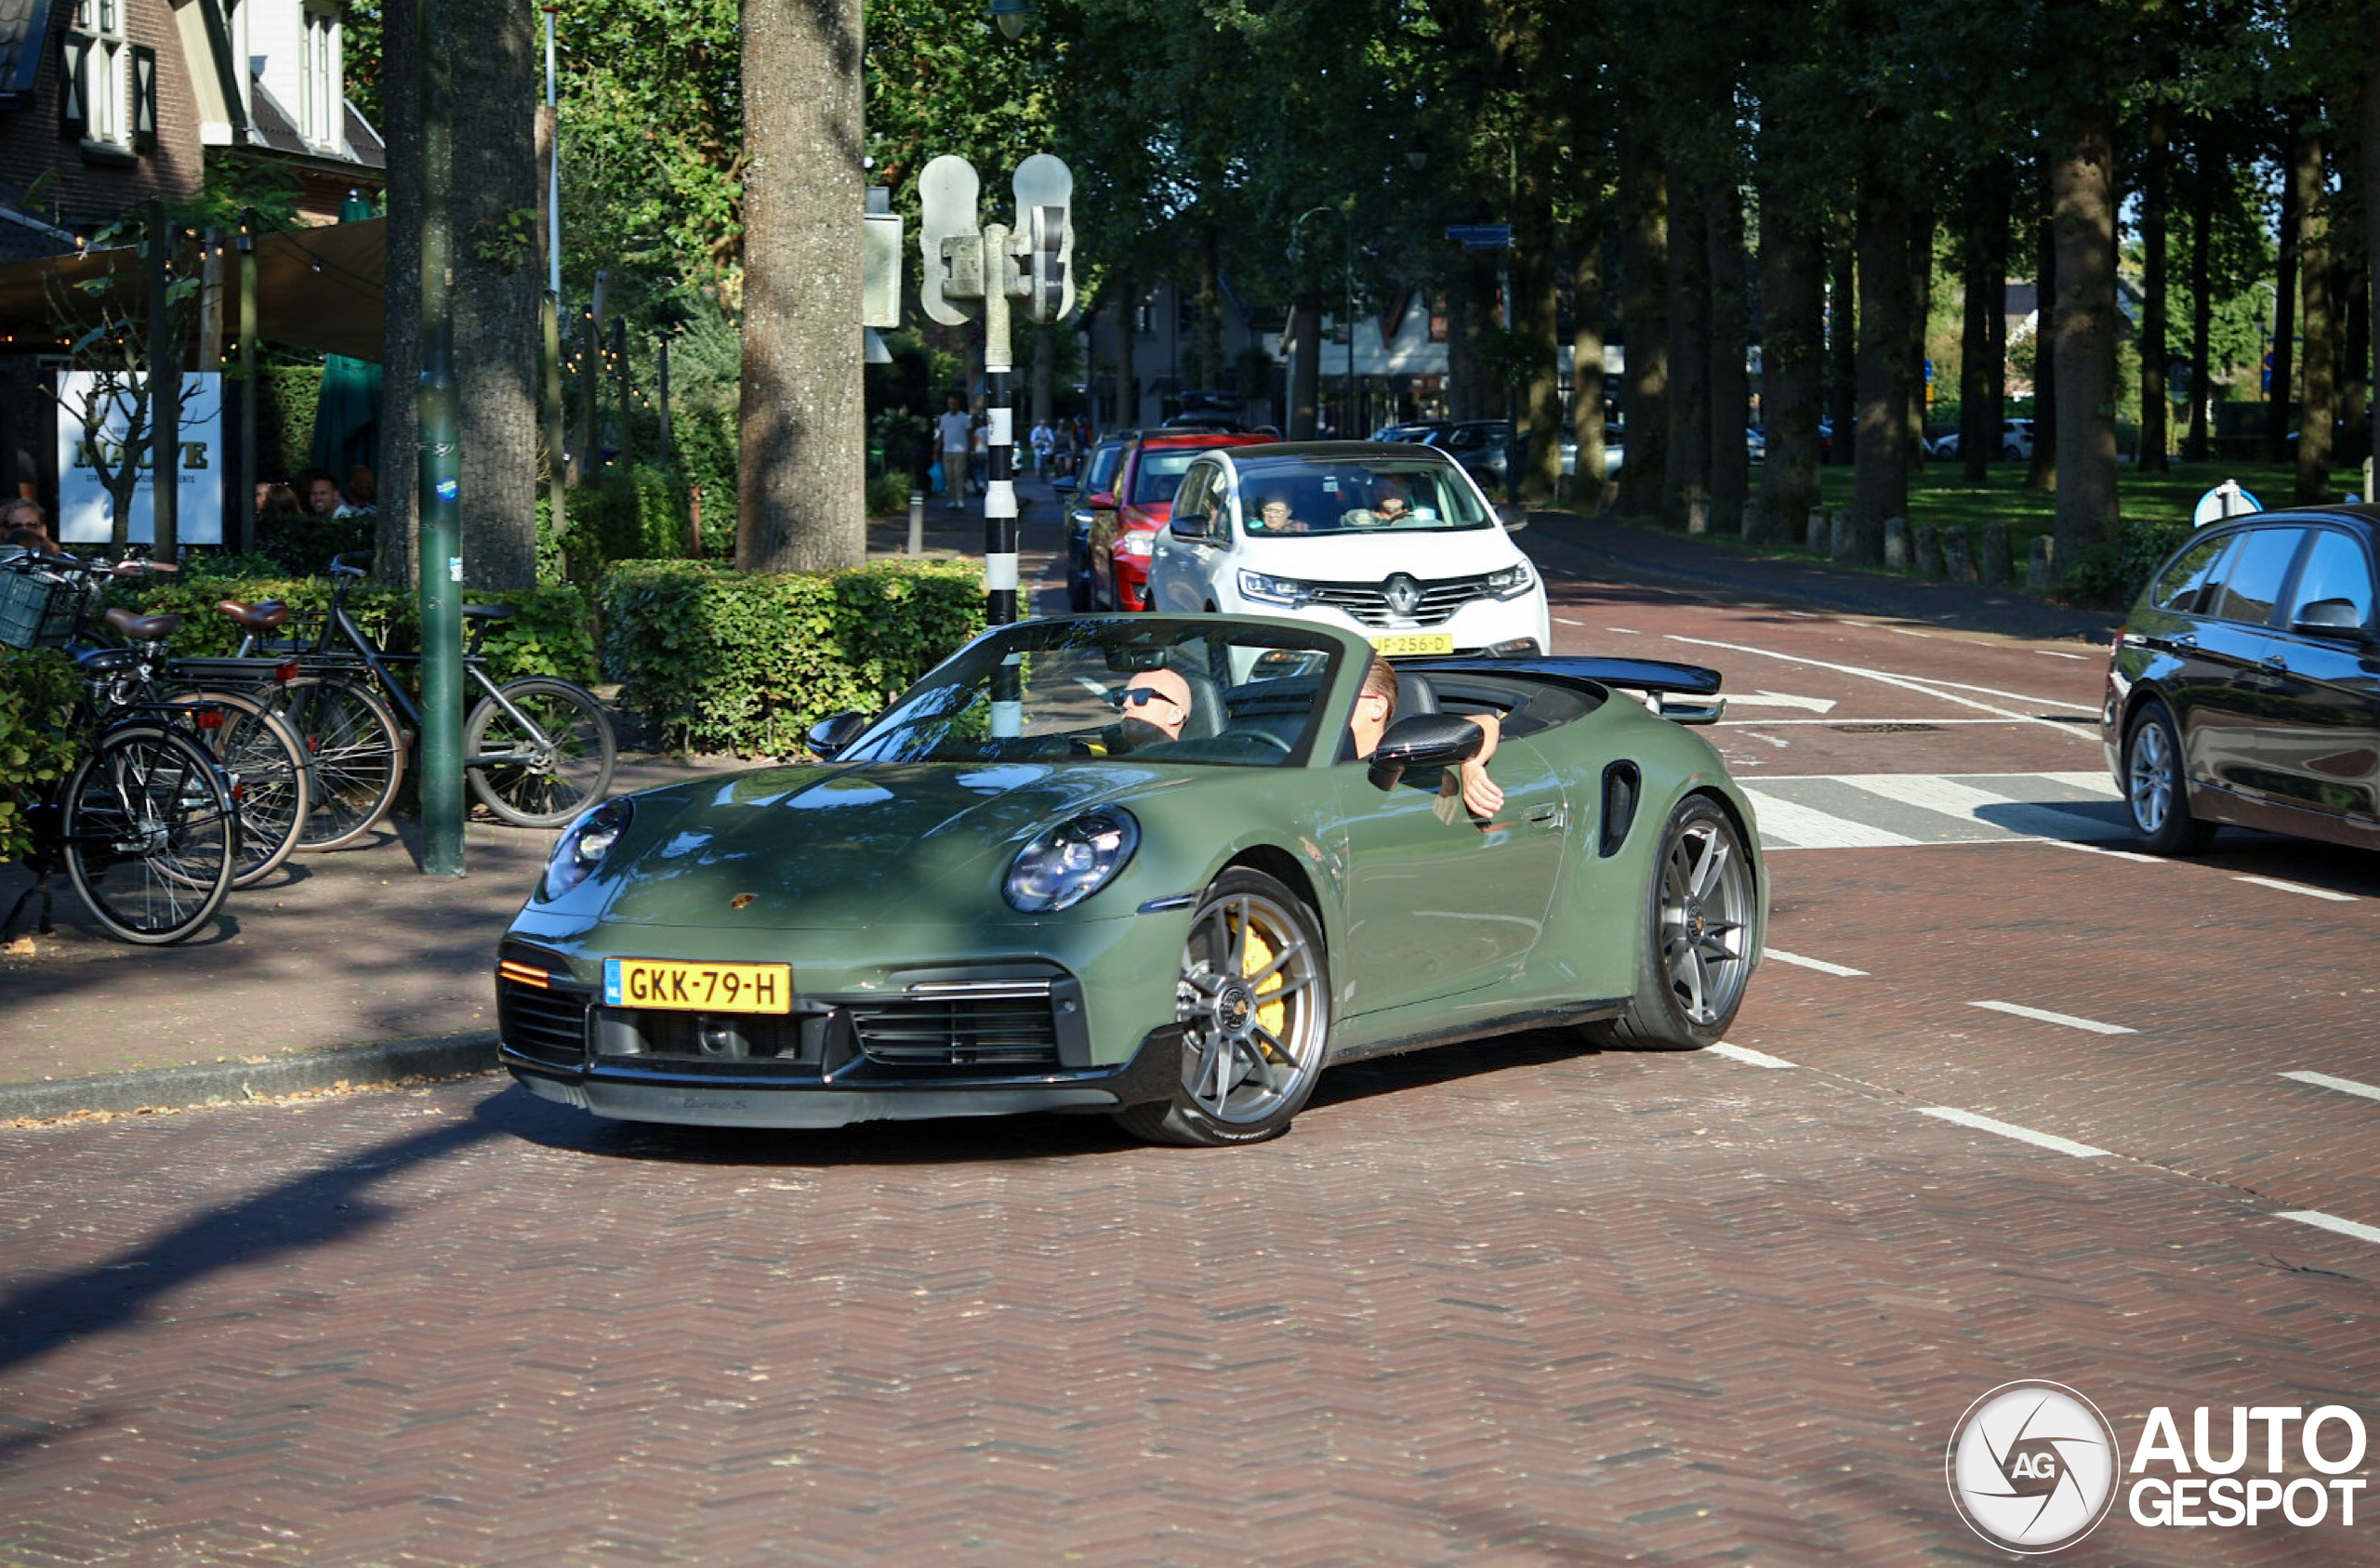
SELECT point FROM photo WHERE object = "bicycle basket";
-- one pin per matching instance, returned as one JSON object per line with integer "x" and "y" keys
{"x": 38, "y": 609}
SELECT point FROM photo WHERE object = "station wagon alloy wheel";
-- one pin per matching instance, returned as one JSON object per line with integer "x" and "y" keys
{"x": 2161, "y": 823}
{"x": 1251, "y": 1003}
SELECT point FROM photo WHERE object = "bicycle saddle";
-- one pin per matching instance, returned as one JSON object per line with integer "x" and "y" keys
{"x": 144, "y": 628}
{"x": 267, "y": 616}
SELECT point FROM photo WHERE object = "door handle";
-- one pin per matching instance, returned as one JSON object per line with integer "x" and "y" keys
{"x": 2276, "y": 663}
{"x": 1554, "y": 814}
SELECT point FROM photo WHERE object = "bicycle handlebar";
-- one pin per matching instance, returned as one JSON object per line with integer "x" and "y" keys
{"x": 340, "y": 566}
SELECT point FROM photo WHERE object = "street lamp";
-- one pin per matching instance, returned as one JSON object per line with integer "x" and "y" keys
{"x": 1347, "y": 388}
{"x": 1013, "y": 17}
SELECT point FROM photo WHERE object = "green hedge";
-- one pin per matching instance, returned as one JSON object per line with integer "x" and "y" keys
{"x": 722, "y": 661}
{"x": 34, "y": 688}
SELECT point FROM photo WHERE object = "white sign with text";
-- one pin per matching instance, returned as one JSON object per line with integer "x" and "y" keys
{"x": 86, "y": 512}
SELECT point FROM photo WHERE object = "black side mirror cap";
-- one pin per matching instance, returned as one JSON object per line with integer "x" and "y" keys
{"x": 1515, "y": 517}
{"x": 830, "y": 736}
{"x": 2334, "y": 618}
{"x": 1425, "y": 739}
{"x": 1189, "y": 525}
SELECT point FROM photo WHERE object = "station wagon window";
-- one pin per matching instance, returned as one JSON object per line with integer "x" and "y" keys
{"x": 2335, "y": 569}
{"x": 2254, "y": 572}
{"x": 2179, "y": 589}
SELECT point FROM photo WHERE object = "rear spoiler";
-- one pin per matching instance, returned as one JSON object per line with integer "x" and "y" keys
{"x": 1683, "y": 693}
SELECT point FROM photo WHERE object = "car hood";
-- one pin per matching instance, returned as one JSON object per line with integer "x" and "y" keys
{"x": 808, "y": 846}
{"x": 1371, "y": 556}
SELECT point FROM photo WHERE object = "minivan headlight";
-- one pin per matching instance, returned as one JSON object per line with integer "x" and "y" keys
{"x": 1272, "y": 589}
{"x": 1511, "y": 581}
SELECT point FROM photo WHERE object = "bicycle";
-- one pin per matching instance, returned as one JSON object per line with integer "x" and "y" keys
{"x": 537, "y": 750}
{"x": 143, "y": 822}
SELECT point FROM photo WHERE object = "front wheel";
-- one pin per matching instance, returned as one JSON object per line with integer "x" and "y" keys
{"x": 356, "y": 752}
{"x": 1253, "y": 1002}
{"x": 543, "y": 759}
{"x": 2156, "y": 792}
{"x": 270, "y": 775}
{"x": 1700, "y": 923}
{"x": 149, "y": 837}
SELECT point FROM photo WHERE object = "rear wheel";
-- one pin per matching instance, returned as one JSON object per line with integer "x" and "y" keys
{"x": 1697, "y": 954}
{"x": 149, "y": 837}
{"x": 1252, "y": 1003}
{"x": 543, "y": 772}
{"x": 357, "y": 751}
{"x": 269, "y": 773}
{"x": 2156, "y": 791}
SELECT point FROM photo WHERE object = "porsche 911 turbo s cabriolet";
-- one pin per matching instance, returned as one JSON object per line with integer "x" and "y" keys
{"x": 1131, "y": 863}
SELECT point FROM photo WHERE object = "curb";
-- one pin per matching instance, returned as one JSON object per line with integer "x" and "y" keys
{"x": 231, "y": 1083}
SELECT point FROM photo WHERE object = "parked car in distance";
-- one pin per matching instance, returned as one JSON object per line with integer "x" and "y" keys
{"x": 1393, "y": 542}
{"x": 1133, "y": 864}
{"x": 2016, "y": 442}
{"x": 1412, "y": 429}
{"x": 2240, "y": 689}
{"x": 1126, "y": 515}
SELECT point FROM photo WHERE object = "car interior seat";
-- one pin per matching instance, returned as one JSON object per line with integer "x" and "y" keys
{"x": 1206, "y": 717}
{"x": 1415, "y": 694}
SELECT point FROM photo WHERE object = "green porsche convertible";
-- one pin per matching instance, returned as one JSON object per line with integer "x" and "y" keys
{"x": 1135, "y": 865}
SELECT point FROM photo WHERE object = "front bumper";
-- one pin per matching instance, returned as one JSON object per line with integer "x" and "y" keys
{"x": 977, "y": 1041}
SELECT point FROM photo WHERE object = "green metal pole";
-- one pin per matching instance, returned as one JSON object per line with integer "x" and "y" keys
{"x": 246, "y": 499}
{"x": 438, "y": 417}
{"x": 557, "y": 480}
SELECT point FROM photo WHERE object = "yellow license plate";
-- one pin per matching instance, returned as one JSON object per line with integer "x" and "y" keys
{"x": 1390, "y": 643}
{"x": 697, "y": 988}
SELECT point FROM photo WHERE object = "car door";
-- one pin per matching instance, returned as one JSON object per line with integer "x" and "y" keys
{"x": 1438, "y": 904}
{"x": 2317, "y": 746}
{"x": 2226, "y": 714}
{"x": 1183, "y": 568}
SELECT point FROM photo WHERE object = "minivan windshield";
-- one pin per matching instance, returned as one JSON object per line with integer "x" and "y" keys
{"x": 1343, "y": 496}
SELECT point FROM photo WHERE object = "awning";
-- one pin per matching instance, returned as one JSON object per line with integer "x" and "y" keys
{"x": 316, "y": 288}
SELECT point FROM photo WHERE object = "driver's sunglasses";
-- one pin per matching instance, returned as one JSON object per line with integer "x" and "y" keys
{"x": 1141, "y": 696}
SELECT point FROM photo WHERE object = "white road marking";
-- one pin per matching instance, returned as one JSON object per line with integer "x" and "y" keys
{"x": 2323, "y": 1080}
{"x": 2117, "y": 854}
{"x": 1564, "y": 620}
{"x": 2297, "y": 888}
{"x": 1780, "y": 699}
{"x": 1818, "y": 964}
{"x": 1623, "y": 631}
{"x": 2023, "y": 1135}
{"x": 1948, "y": 796}
{"x": 1898, "y": 718}
{"x": 1946, "y": 691}
{"x": 2322, "y": 1221}
{"x": 2068, "y": 1019}
{"x": 2054, "y": 653}
{"x": 1749, "y": 1057}
{"x": 1801, "y": 826}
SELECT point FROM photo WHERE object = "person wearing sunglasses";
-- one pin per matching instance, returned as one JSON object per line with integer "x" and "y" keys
{"x": 1154, "y": 699}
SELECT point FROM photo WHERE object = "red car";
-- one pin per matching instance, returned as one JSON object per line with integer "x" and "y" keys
{"x": 1124, "y": 520}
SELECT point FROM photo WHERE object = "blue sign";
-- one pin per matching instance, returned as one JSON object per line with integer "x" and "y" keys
{"x": 1481, "y": 236}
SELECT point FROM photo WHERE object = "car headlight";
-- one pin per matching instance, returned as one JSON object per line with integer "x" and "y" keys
{"x": 1511, "y": 581}
{"x": 583, "y": 845}
{"x": 1136, "y": 545}
{"x": 1066, "y": 864}
{"x": 1273, "y": 590}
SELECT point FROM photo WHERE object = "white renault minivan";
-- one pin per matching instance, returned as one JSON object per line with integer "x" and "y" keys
{"x": 1393, "y": 541}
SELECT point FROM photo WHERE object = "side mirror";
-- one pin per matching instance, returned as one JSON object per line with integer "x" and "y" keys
{"x": 1188, "y": 525}
{"x": 1103, "y": 500}
{"x": 1425, "y": 739}
{"x": 1063, "y": 484}
{"x": 1513, "y": 516}
{"x": 2330, "y": 618}
{"x": 829, "y": 736}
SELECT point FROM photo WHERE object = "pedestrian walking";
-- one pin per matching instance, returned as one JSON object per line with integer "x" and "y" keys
{"x": 954, "y": 428}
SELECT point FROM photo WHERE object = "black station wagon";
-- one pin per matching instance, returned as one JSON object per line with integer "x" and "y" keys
{"x": 2244, "y": 688}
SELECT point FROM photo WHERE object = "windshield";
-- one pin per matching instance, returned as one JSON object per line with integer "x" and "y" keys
{"x": 1342, "y": 496}
{"x": 1196, "y": 691}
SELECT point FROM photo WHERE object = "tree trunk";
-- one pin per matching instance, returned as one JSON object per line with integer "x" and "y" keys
{"x": 2196, "y": 449}
{"x": 2317, "y": 380}
{"x": 1880, "y": 480}
{"x": 1587, "y": 393}
{"x": 1537, "y": 313}
{"x": 2042, "y": 473}
{"x": 1730, "y": 385}
{"x": 801, "y": 497}
{"x": 2369, "y": 104}
{"x": 1128, "y": 380}
{"x": 2085, "y": 345}
{"x": 1686, "y": 496}
{"x": 2280, "y": 388}
{"x": 1920, "y": 314}
{"x": 1843, "y": 337}
{"x": 499, "y": 279}
{"x": 1983, "y": 353}
{"x": 392, "y": 530}
{"x": 2155, "y": 191}
{"x": 1793, "y": 327}
{"x": 1643, "y": 315}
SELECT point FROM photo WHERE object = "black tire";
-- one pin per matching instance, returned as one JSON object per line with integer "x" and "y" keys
{"x": 357, "y": 750}
{"x": 149, "y": 840}
{"x": 1255, "y": 1014}
{"x": 530, "y": 783}
{"x": 1696, "y": 955}
{"x": 270, "y": 776}
{"x": 2156, "y": 789}
{"x": 1078, "y": 585}
{"x": 2010, "y": 453}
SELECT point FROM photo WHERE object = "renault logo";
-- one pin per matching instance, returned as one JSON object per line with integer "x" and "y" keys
{"x": 1404, "y": 595}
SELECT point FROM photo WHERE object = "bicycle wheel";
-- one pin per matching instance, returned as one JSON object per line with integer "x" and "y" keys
{"x": 358, "y": 752}
{"x": 268, "y": 772}
{"x": 543, "y": 772}
{"x": 149, "y": 836}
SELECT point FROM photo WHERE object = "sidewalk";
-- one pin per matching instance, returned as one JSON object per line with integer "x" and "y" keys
{"x": 353, "y": 967}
